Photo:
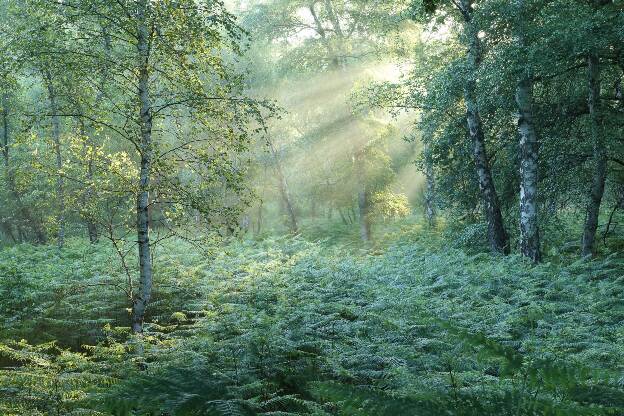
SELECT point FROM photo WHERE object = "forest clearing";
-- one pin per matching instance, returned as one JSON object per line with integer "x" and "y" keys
{"x": 311, "y": 207}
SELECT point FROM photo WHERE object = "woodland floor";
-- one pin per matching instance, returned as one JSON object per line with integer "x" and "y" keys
{"x": 415, "y": 318}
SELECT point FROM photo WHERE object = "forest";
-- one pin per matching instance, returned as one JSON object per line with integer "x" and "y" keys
{"x": 311, "y": 207}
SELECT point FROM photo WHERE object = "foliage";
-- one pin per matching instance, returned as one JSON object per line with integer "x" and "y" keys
{"x": 389, "y": 205}
{"x": 284, "y": 326}
{"x": 144, "y": 125}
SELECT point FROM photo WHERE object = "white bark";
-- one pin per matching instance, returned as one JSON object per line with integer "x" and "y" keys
{"x": 529, "y": 230}
{"x": 144, "y": 292}
{"x": 529, "y": 145}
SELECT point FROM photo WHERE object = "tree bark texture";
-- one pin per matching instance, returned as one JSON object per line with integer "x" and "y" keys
{"x": 529, "y": 162}
{"x": 497, "y": 235}
{"x": 144, "y": 291}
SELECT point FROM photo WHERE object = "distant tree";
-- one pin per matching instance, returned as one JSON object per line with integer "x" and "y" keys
{"x": 336, "y": 38}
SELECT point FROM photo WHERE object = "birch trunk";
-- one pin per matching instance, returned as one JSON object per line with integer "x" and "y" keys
{"x": 144, "y": 292}
{"x": 529, "y": 147}
{"x": 588, "y": 246}
{"x": 529, "y": 229}
{"x": 496, "y": 231}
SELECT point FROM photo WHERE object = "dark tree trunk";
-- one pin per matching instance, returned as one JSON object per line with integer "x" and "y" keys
{"x": 144, "y": 292}
{"x": 342, "y": 217}
{"x": 56, "y": 138}
{"x": 588, "y": 246}
{"x": 497, "y": 234}
{"x": 364, "y": 214}
{"x": 363, "y": 194}
{"x": 314, "y": 206}
{"x": 89, "y": 150}
{"x": 337, "y": 54}
{"x": 430, "y": 205}
{"x": 92, "y": 229}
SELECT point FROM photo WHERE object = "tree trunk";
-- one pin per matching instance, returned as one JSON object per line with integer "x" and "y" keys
{"x": 529, "y": 227}
{"x": 10, "y": 182}
{"x": 56, "y": 137}
{"x": 364, "y": 214}
{"x": 430, "y": 207}
{"x": 89, "y": 149}
{"x": 91, "y": 225}
{"x": 259, "y": 219}
{"x": 144, "y": 292}
{"x": 529, "y": 146}
{"x": 342, "y": 217}
{"x": 283, "y": 188}
{"x": 363, "y": 195}
{"x": 5, "y": 156}
{"x": 314, "y": 205}
{"x": 496, "y": 230}
{"x": 599, "y": 159}
{"x": 30, "y": 219}
{"x": 92, "y": 230}
{"x": 339, "y": 60}
{"x": 290, "y": 211}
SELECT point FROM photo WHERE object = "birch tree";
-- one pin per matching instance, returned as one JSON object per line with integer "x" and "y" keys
{"x": 175, "y": 102}
{"x": 529, "y": 225}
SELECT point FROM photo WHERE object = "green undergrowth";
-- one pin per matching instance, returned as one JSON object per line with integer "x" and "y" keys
{"x": 415, "y": 325}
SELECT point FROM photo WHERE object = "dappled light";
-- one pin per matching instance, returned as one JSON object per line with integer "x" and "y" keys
{"x": 311, "y": 207}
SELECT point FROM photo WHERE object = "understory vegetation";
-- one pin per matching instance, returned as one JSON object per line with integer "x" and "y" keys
{"x": 289, "y": 325}
{"x": 311, "y": 207}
